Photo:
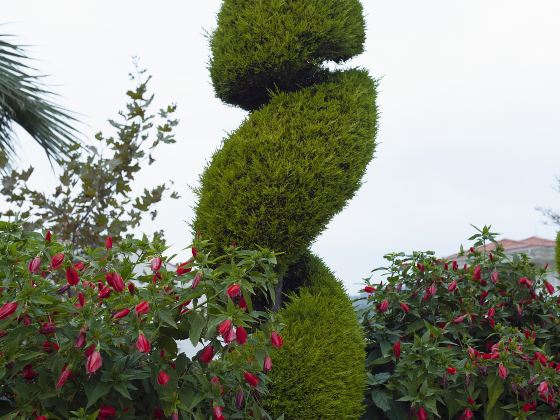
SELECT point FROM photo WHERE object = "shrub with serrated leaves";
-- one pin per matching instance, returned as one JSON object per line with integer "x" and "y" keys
{"x": 479, "y": 338}
{"x": 94, "y": 336}
{"x": 95, "y": 196}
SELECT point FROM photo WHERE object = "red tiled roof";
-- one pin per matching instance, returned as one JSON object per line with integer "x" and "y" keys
{"x": 511, "y": 245}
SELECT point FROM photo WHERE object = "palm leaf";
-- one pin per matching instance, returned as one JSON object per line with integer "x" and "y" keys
{"x": 25, "y": 101}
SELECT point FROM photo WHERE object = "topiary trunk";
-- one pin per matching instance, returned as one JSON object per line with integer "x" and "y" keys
{"x": 287, "y": 170}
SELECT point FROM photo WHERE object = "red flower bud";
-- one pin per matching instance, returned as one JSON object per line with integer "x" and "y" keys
{"x": 49, "y": 346}
{"x": 502, "y": 371}
{"x": 242, "y": 304}
{"x": 233, "y": 290}
{"x": 156, "y": 264}
{"x": 276, "y": 339}
{"x": 477, "y": 273}
{"x": 57, "y": 260}
{"x": 251, "y": 379}
{"x": 549, "y": 287}
{"x": 239, "y": 397}
{"x": 163, "y": 378}
{"x": 207, "y": 354}
{"x": 79, "y": 266}
{"x": 452, "y": 286}
{"x": 47, "y": 328}
{"x": 81, "y": 300}
{"x": 142, "y": 308}
{"x": 543, "y": 389}
{"x": 369, "y": 289}
{"x": 131, "y": 288}
{"x": 181, "y": 269}
{"x": 384, "y": 306}
{"x": 104, "y": 292}
{"x": 455, "y": 266}
{"x": 405, "y": 307}
{"x": 530, "y": 406}
{"x": 494, "y": 277}
{"x": 459, "y": 319}
{"x": 541, "y": 358}
{"x": 397, "y": 350}
{"x": 142, "y": 344}
{"x": 491, "y": 312}
{"x": 194, "y": 251}
{"x": 7, "y": 309}
{"x": 93, "y": 362}
{"x": 41, "y": 418}
{"x": 109, "y": 242}
{"x": 81, "y": 340}
{"x": 422, "y": 414}
{"x": 64, "y": 375}
{"x": 28, "y": 373}
{"x": 118, "y": 283}
{"x": 241, "y": 335}
{"x": 224, "y": 327}
{"x": 217, "y": 412}
{"x": 525, "y": 281}
{"x": 470, "y": 400}
{"x": 451, "y": 370}
{"x": 72, "y": 276}
{"x": 34, "y": 265}
{"x": 121, "y": 314}
{"x": 468, "y": 414}
{"x": 267, "y": 365}
{"x": 106, "y": 412}
{"x": 196, "y": 280}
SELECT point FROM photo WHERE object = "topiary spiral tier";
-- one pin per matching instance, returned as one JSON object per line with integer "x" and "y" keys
{"x": 293, "y": 164}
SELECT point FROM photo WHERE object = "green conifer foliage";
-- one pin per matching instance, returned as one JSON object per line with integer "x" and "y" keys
{"x": 293, "y": 164}
{"x": 262, "y": 45}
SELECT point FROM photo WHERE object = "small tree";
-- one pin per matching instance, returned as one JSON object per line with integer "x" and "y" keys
{"x": 94, "y": 197}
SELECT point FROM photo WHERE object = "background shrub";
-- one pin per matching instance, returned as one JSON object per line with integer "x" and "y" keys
{"x": 463, "y": 340}
{"x": 94, "y": 336}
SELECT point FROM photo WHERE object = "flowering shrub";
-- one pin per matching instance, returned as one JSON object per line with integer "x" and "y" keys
{"x": 476, "y": 339}
{"x": 92, "y": 336}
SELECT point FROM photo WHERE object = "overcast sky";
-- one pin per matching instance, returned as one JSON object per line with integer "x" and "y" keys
{"x": 469, "y": 100}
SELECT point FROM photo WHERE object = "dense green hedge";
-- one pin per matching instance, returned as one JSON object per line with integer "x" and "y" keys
{"x": 279, "y": 179}
{"x": 268, "y": 44}
{"x": 320, "y": 371}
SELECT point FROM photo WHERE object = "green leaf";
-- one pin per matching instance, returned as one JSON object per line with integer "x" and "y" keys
{"x": 195, "y": 331}
{"x": 94, "y": 391}
{"x": 381, "y": 399}
{"x": 122, "y": 389}
{"x": 495, "y": 389}
{"x": 166, "y": 317}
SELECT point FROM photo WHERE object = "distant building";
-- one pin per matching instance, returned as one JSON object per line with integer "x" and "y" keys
{"x": 540, "y": 251}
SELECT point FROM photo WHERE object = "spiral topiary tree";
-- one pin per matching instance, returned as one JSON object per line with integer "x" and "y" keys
{"x": 293, "y": 164}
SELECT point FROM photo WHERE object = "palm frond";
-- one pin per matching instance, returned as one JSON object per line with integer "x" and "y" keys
{"x": 25, "y": 101}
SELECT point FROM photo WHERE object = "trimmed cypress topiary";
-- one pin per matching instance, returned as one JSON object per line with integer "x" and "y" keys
{"x": 262, "y": 45}
{"x": 319, "y": 373}
{"x": 290, "y": 167}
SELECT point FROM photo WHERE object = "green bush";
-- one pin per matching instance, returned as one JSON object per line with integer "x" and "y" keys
{"x": 279, "y": 44}
{"x": 320, "y": 373}
{"x": 291, "y": 166}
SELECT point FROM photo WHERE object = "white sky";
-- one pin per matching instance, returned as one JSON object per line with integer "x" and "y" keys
{"x": 469, "y": 100}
